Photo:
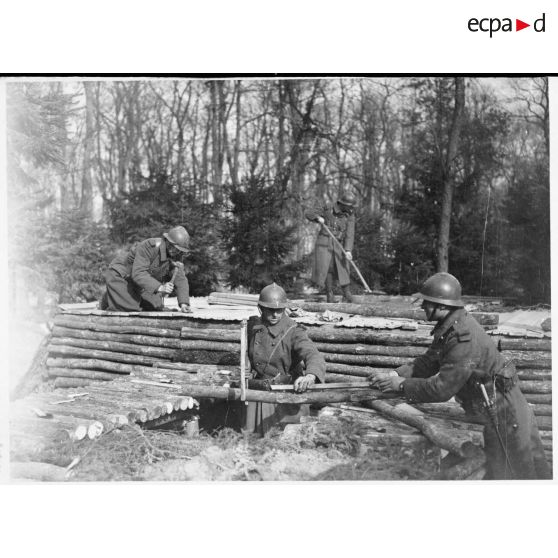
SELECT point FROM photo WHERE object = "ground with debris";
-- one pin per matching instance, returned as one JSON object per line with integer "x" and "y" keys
{"x": 132, "y": 454}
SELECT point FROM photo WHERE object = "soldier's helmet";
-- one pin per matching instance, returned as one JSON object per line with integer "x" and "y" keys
{"x": 348, "y": 200}
{"x": 442, "y": 288}
{"x": 179, "y": 237}
{"x": 273, "y": 296}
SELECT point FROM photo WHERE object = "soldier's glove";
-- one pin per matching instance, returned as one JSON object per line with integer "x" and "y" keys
{"x": 348, "y": 255}
{"x": 302, "y": 383}
{"x": 185, "y": 308}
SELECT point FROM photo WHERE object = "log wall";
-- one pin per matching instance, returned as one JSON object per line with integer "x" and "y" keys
{"x": 90, "y": 349}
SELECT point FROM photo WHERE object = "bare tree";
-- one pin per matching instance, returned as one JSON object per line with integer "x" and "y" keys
{"x": 448, "y": 182}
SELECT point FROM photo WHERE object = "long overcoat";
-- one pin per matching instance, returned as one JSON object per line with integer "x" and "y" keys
{"x": 342, "y": 225}
{"x": 279, "y": 353}
{"x": 460, "y": 359}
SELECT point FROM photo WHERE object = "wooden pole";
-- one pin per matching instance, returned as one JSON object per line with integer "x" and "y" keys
{"x": 364, "y": 283}
{"x": 145, "y": 340}
{"x": 233, "y": 394}
{"x": 96, "y": 325}
{"x": 379, "y": 361}
{"x": 243, "y": 349}
{"x": 321, "y": 387}
{"x": 386, "y": 311}
{"x": 439, "y": 437}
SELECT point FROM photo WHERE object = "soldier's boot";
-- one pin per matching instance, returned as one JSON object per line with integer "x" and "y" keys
{"x": 347, "y": 296}
{"x": 329, "y": 288}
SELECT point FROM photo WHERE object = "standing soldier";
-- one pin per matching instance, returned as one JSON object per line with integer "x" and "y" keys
{"x": 464, "y": 362}
{"x": 330, "y": 262}
{"x": 138, "y": 280}
{"x": 280, "y": 352}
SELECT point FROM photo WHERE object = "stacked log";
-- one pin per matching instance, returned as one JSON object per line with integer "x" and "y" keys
{"x": 174, "y": 349}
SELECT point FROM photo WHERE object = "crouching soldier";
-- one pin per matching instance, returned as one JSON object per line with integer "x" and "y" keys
{"x": 464, "y": 362}
{"x": 139, "y": 279}
{"x": 280, "y": 352}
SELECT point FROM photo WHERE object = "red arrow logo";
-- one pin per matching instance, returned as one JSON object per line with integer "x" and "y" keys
{"x": 519, "y": 25}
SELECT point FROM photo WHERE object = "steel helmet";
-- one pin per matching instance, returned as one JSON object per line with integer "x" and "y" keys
{"x": 179, "y": 237}
{"x": 348, "y": 200}
{"x": 442, "y": 288}
{"x": 273, "y": 296}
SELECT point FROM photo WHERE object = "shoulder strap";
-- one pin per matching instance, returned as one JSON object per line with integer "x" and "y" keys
{"x": 275, "y": 348}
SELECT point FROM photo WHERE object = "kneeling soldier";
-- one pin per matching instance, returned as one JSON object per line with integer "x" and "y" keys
{"x": 139, "y": 279}
{"x": 464, "y": 362}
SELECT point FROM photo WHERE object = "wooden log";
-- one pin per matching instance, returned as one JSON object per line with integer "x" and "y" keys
{"x": 233, "y": 394}
{"x": 349, "y": 370}
{"x": 535, "y": 386}
{"x": 209, "y": 357}
{"x": 79, "y": 373}
{"x": 386, "y": 311}
{"x": 451, "y": 411}
{"x": 146, "y": 340}
{"x": 169, "y": 321}
{"x": 198, "y": 368}
{"x": 378, "y": 361}
{"x": 534, "y": 375}
{"x": 37, "y": 471}
{"x": 231, "y": 336}
{"x": 67, "y": 383}
{"x": 544, "y": 422}
{"x": 50, "y": 430}
{"x": 138, "y": 395}
{"x": 107, "y": 365}
{"x": 508, "y": 344}
{"x": 436, "y": 435}
{"x": 365, "y": 349}
{"x": 544, "y": 398}
{"x": 107, "y": 412}
{"x": 331, "y": 334}
{"x": 465, "y": 468}
{"x": 119, "y": 352}
{"x": 529, "y": 359}
{"x": 95, "y": 325}
{"x": 541, "y": 410}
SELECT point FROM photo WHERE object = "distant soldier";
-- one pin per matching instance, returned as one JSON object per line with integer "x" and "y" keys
{"x": 330, "y": 262}
{"x": 464, "y": 362}
{"x": 280, "y": 352}
{"x": 139, "y": 279}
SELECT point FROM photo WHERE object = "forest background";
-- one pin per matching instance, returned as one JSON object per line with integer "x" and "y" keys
{"x": 450, "y": 174}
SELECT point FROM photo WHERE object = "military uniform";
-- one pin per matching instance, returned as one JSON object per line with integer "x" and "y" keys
{"x": 279, "y": 354}
{"x": 461, "y": 357}
{"x": 328, "y": 257}
{"x": 134, "y": 278}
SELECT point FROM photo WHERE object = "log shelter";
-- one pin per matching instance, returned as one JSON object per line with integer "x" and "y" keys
{"x": 97, "y": 370}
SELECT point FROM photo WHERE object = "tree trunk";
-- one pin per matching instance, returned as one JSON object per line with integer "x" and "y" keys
{"x": 449, "y": 176}
{"x": 86, "y": 203}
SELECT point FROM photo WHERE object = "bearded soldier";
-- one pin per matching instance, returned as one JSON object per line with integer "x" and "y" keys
{"x": 280, "y": 352}
{"x": 464, "y": 362}
{"x": 330, "y": 261}
{"x": 139, "y": 279}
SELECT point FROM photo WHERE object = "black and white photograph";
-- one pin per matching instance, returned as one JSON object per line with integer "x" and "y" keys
{"x": 279, "y": 278}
